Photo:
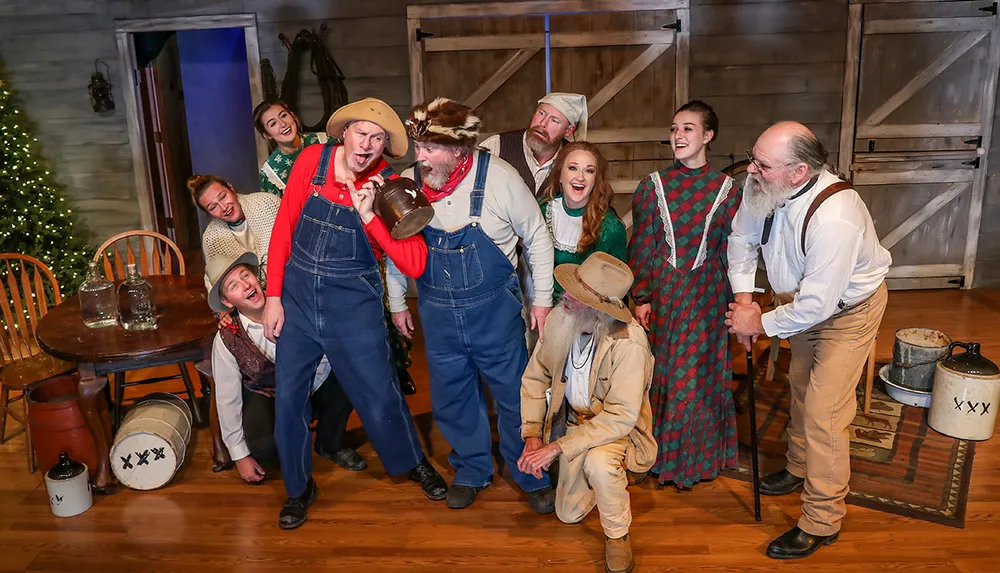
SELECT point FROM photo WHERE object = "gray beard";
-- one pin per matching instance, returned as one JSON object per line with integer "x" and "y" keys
{"x": 439, "y": 176}
{"x": 537, "y": 145}
{"x": 564, "y": 326}
{"x": 761, "y": 199}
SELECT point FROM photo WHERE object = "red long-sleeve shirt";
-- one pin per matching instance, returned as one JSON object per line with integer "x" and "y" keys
{"x": 409, "y": 255}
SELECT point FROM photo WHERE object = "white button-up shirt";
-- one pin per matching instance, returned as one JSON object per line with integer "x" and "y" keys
{"x": 843, "y": 265}
{"x": 229, "y": 385}
{"x": 577, "y": 372}
{"x": 539, "y": 171}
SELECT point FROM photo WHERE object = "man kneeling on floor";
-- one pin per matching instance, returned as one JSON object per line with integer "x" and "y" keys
{"x": 243, "y": 368}
{"x": 585, "y": 399}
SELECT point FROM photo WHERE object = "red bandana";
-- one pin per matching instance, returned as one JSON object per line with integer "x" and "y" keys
{"x": 457, "y": 174}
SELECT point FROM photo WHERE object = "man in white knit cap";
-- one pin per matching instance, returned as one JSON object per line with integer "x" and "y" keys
{"x": 558, "y": 117}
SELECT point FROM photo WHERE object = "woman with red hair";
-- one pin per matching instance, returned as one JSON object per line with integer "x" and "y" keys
{"x": 576, "y": 203}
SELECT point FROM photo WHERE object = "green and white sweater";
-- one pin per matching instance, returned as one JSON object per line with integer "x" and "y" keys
{"x": 566, "y": 226}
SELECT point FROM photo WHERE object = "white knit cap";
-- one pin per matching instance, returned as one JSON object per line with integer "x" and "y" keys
{"x": 574, "y": 107}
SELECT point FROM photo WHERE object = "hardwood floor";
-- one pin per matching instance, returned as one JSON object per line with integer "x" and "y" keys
{"x": 367, "y": 522}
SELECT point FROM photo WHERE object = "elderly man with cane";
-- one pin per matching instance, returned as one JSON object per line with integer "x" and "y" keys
{"x": 827, "y": 269}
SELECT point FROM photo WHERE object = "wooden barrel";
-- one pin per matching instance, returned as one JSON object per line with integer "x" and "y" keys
{"x": 151, "y": 444}
{"x": 57, "y": 423}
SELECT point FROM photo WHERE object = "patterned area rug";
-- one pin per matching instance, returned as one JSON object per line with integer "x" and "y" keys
{"x": 898, "y": 463}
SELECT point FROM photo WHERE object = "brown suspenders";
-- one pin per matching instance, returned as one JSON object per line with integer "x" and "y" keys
{"x": 823, "y": 196}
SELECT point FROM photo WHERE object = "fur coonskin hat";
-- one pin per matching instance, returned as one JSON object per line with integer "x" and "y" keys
{"x": 443, "y": 121}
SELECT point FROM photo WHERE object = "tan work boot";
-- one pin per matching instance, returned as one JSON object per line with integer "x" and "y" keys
{"x": 618, "y": 555}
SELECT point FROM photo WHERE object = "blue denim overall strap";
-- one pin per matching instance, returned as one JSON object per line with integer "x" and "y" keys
{"x": 465, "y": 267}
{"x": 329, "y": 239}
{"x": 470, "y": 306}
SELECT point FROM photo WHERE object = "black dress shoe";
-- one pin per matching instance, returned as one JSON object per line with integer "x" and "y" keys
{"x": 462, "y": 496}
{"x": 293, "y": 514}
{"x": 434, "y": 486}
{"x": 796, "y": 544}
{"x": 780, "y": 483}
{"x": 542, "y": 500}
{"x": 406, "y": 384}
{"x": 346, "y": 458}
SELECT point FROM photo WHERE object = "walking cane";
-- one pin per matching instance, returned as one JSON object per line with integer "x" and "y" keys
{"x": 753, "y": 437}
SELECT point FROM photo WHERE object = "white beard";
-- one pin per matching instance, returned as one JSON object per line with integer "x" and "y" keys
{"x": 564, "y": 326}
{"x": 439, "y": 176}
{"x": 761, "y": 199}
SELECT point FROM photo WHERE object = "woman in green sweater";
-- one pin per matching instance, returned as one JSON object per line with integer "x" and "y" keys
{"x": 576, "y": 204}
{"x": 277, "y": 124}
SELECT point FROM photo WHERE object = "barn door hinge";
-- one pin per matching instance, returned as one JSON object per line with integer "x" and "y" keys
{"x": 676, "y": 26}
{"x": 871, "y": 146}
{"x": 421, "y": 35}
{"x": 974, "y": 163}
{"x": 960, "y": 281}
{"x": 977, "y": 141}
{"x": 991, "y": 10}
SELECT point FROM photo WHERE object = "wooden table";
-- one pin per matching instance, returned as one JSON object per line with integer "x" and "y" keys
{"x": 184, "y": 330}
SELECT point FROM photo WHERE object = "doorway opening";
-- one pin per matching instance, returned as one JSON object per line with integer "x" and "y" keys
{"x": 189, "y": 110}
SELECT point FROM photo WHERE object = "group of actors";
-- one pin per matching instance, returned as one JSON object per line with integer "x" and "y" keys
{"x": 526, "y": 282}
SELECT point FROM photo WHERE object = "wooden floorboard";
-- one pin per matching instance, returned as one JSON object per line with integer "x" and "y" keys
{"x": 367, "y": 521}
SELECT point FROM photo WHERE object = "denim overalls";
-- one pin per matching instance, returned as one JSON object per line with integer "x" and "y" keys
{"x": 332, "y": 297}
{"x": 470, "y": 309}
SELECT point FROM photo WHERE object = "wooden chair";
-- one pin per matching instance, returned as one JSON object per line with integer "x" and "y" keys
{"x": 737, "y": 171}
{"x": 28, "y": 290}
{"x": 153, "y": 254}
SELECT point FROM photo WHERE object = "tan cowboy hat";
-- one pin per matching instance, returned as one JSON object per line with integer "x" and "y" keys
{"x": 217, "y": 269}
{"x": 377, "y": 112}
{"x": 601, "y": 282}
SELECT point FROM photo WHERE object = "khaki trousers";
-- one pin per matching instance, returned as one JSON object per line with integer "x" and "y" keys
{"x": 827, "y": 360}
{"x": 596, "y": 477}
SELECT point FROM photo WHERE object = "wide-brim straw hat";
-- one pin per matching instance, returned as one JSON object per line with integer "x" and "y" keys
{"x": 377, "y": 112}
{"x": 602, "y": 282}
{"x": 217, "y": 268}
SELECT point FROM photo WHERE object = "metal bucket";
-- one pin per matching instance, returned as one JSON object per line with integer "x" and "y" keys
{"x": 915, "y": 354}
{"x": 403, "y": 207}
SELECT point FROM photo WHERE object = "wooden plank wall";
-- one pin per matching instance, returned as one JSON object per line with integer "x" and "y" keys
{"x": 755, "y": 61}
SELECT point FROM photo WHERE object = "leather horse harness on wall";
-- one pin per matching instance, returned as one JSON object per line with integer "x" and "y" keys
{"x": 322, "y": 65}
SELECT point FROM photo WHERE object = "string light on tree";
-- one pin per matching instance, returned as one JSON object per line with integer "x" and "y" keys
{"x": 34, "y": 216}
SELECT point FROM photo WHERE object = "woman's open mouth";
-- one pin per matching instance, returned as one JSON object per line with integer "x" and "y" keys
{"x": 287, "y": 131}
{"x": 578, "y": 187}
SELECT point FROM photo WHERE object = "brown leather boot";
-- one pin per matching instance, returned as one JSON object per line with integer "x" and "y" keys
{"x": 618, "y": 555}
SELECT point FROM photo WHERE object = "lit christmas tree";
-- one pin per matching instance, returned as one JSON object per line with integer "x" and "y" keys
{"x": 34, "y": 217}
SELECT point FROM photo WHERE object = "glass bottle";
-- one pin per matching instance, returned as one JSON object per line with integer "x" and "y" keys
{"x": 98, "y": 300}
{"x": 135, "y": 302}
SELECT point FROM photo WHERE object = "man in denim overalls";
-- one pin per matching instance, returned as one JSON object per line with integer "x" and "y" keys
{"x": 324, "y": 295}
{"x": 469, "y": 296}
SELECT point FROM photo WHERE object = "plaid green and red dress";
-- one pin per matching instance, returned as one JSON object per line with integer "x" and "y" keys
{"x": 678, "y": 254}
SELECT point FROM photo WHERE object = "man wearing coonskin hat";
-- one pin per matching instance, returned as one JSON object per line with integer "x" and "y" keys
{"x": 324, "y": 296}
{"x": 469, "y": 297}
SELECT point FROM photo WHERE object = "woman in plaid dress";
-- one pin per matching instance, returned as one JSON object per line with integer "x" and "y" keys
{"x": 682, "y": 220}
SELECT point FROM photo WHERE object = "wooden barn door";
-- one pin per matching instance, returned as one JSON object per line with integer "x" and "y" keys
{"x": 630, "y": 58}
{"x": 919, "y": 98}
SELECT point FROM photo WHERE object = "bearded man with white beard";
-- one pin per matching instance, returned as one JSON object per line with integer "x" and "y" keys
{"x": 469, "y": 298}
{"x": 585, "y": 399}
{"x": 827, "y": 269}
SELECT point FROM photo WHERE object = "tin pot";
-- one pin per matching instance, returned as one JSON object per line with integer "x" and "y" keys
{"x": 914, "y": 355}
{"x": 966, "y": 394}
{"x": 403, "y": 207}
{"x": 68, "y": 485}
